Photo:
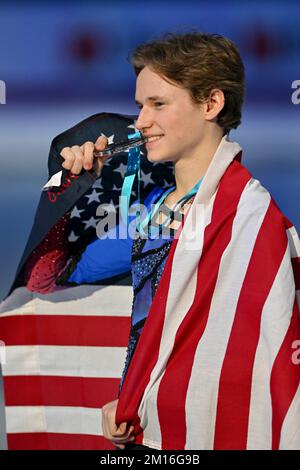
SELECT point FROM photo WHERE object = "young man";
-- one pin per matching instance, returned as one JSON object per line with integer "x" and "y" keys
{"x": 215, "y": 319}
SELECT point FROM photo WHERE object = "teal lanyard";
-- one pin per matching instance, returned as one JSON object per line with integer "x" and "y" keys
{"x": 157, "y": 205}
{"x": 133, "y": 170}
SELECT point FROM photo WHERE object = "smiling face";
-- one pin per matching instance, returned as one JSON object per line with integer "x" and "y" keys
{"x": 168, "y": 111}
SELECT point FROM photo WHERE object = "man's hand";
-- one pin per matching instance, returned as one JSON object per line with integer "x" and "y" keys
{"x": 76, "y": 158}
{"x": 117, "y": 435}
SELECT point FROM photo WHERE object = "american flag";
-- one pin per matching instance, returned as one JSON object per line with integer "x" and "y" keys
{"x": 217, "y": 365}
{"x": 65, "y": 351}
{"x": 64, "y": 355}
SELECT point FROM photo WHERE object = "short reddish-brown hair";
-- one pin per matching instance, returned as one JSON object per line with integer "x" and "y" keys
{"x": 199, "y": 63}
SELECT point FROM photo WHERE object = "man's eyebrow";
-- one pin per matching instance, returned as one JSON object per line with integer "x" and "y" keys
{"x": 151, "y": 98}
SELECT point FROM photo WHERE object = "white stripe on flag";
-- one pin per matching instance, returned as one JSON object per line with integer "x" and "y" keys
{"x": 205, "y": 375}
{"x": 290, "y": 432}
{"x": 294, "y": 242}
{"x": 81, "y": 300}
{"x": 53, "y": 419}
{"x": 69, "y": 361}
{"x": 276, "y": 317}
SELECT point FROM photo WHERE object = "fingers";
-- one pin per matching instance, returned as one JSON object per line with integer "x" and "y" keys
{"x": 121, "y": 432}
{"x": 121, "y": 436}
{"x": 101, "y": 142}
{"x": 118, "y": 435}
{"x": 81, "y": 157}
{"x": 118, "y": 431}
{"x": 88, "y": 149}
{"x": 109, "y": 420}
{"x": 122, "y": 446}
{"x": 74, "y": 159}
{"x": 78, "y": 161}
{"x": 69, "y": 158}
{"x": 120, "y": 441}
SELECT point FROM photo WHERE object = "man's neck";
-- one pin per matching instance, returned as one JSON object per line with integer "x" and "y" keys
{"x": 188, "y": 171}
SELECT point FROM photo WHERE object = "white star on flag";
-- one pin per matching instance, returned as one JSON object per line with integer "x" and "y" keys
{"x": 166, "y": 183}
{"x": 110, "y": 138}
{"x": 76, "y": 212}
{"x": 132, "y": 126}
{"x": 92, "y": 222}
{"x": 146, "y": 178}
{"x": 98, "y": 184}
{"x": 72, "y": 237}
{"x": 121, "y": 169}
{"x": 94, "y": 196}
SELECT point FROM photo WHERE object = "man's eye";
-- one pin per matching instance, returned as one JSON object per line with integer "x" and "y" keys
{"x": 157, "y": 104}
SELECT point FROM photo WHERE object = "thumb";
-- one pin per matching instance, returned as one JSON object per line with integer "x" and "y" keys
{"x": 101, "y": 142}
{"x": 121, "y": 429}
{"x": 122, "y": 426}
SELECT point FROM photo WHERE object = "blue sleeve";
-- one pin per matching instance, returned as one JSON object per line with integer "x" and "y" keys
{"x": 105, "y": 258}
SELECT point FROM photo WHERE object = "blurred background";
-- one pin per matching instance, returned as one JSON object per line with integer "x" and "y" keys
{"x": 62, "y": 61}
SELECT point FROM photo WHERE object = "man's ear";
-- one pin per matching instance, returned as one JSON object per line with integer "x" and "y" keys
{"x": 214, "y": 104}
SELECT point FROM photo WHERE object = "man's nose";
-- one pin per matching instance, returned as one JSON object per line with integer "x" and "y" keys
{"x": 143, "y": 121}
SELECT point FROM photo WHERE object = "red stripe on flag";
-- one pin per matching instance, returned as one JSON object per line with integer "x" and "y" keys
{"x": 52, "y": 441}
{"x": 171, "y": 406}
{"x": 59, "y": 391}
{"x": 236, "y": 376}
{"x": 65, "y": 330}
{"x": 285, "y": 377}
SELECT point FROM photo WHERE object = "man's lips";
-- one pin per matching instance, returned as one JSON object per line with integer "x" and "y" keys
{"x": 153, "y": 140}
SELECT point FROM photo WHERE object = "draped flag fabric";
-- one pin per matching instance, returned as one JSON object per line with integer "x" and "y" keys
{"x": 217, "y": 365}
{"x": 65, "y": 351}
{"x": 65, "y": 354}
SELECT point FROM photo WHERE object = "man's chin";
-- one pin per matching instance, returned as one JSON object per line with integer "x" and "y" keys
{"x": 157, "y": 158}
